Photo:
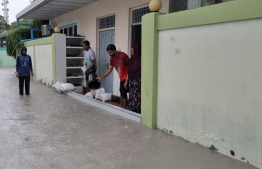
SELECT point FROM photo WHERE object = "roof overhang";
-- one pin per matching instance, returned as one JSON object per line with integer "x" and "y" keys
{"x": 49, "y": 9}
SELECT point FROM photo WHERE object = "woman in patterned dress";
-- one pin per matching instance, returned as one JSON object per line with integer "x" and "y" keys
{"x": 134, "y": 76}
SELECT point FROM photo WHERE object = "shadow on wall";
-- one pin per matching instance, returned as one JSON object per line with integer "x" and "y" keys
{"x": 5, "y": 60}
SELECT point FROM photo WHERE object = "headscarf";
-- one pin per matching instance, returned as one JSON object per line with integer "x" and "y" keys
{"x": 134, "y": 67}
{"x": 23, "y": 49}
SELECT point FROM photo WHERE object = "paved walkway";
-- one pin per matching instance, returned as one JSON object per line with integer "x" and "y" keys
{"x": 49, "y": 130}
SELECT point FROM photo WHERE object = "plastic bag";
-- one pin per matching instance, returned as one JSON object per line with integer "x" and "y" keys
{"x": 83, "y": 69}
{"x": 90, "y": 77}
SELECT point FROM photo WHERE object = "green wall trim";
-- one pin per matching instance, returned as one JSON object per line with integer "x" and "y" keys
{"x": 44, "y": 41}
{"x": 154, "y": 22}
{"x": 225, "y": 12}
{"x": 54, "y": 59}
{"x": 149, "y": 70}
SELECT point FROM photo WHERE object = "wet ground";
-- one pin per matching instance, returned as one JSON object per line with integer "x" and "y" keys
{"x": 49, "y": 130}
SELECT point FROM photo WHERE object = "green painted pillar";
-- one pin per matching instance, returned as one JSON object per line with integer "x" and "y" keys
{"x": 149, "y": 70}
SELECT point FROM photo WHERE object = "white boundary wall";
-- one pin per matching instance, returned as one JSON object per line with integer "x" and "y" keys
{"x": 210, "y": 86}
{"x": 44, "y": 63}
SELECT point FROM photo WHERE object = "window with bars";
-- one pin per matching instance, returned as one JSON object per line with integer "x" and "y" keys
{"x": 180, "y": 5}
{"x": 177, "y": 5}
{"x": 138, "y": 13}
{"x": 107, "y": 22}
{"x": 69, "y": 30}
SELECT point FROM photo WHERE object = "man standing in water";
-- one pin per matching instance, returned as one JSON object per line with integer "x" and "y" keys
{"x": 119, "y": 61}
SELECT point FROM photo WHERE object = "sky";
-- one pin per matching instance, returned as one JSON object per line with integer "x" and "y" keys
{"x": 15, "y": 6}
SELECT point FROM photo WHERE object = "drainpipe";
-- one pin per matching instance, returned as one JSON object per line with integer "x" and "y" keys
{"x": 31, "y": 29}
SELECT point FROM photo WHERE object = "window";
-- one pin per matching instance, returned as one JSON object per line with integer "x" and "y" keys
{"x": 138, "y": 13}
{"x": 108, "y": 22}
{"x": 69, "y": 30}
{"x": 75, "y": 30}
{"x": 136, "y": 28}
{"x": 177, "y": 5}
{"x": 181, "y": 5}
{"x": 65, "y": 31}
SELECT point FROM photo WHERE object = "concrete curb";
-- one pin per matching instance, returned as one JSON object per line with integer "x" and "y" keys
{"x": 107, "y": 107}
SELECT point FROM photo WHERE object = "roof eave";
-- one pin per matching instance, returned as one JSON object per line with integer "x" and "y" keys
{"x": 33, "y": 6}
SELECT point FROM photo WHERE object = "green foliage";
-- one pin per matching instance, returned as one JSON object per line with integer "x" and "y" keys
{"x": 20, "y": 33}
{"x": 14, "y": 37}
{"x": 3, "y": 24}
{"x": 13, "y": 25}
{"x": 37, "y": 24}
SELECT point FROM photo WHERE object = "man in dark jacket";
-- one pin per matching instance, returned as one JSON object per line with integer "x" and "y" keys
{"x": 23, "y": 70}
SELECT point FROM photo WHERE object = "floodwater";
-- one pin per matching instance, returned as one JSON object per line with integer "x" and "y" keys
{"x": 49, "y": 130}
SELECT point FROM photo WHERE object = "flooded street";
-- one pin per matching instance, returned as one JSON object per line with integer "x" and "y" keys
{"x": 49, "y": 130}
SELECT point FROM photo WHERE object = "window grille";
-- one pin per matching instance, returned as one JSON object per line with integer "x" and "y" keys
{"x": 69, "y": 30}
{"x": 177, "y": 5}
{"x": 138, "y": 13}
{"x": 107, "y": 22}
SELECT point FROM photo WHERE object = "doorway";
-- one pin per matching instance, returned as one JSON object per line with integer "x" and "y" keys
{"x": 106, "y": 37}
{"x": 136, "y": 27}
{"x": 136, "y": 34}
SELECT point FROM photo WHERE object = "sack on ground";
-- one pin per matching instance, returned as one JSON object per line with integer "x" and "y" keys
{"x": 105, "y": 96}
{"x": 63, "y": 87}
{"x": 67, "y": 87}
{"x": 99, "y": 91}
{"x": 57, "y": 86}
{"x": 88, "y": 94}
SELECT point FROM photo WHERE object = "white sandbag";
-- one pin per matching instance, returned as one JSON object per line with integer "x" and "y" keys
{"x": 63, "y": 87}
{"x": 102, "y": 90}
{"x": 88, "y": 94}
{"x": 58, "y": 86}
{"x": 105, "y": 96}
{"x": 67, "y": 87}
{"x": 99, "y": 91}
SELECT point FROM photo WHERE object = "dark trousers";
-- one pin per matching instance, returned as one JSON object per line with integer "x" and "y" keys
{"x": 26, "y": 80}
{"x": 123, "y": 90}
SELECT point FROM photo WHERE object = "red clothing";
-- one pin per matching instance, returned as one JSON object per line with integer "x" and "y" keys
{"x": 121, "y": 65}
